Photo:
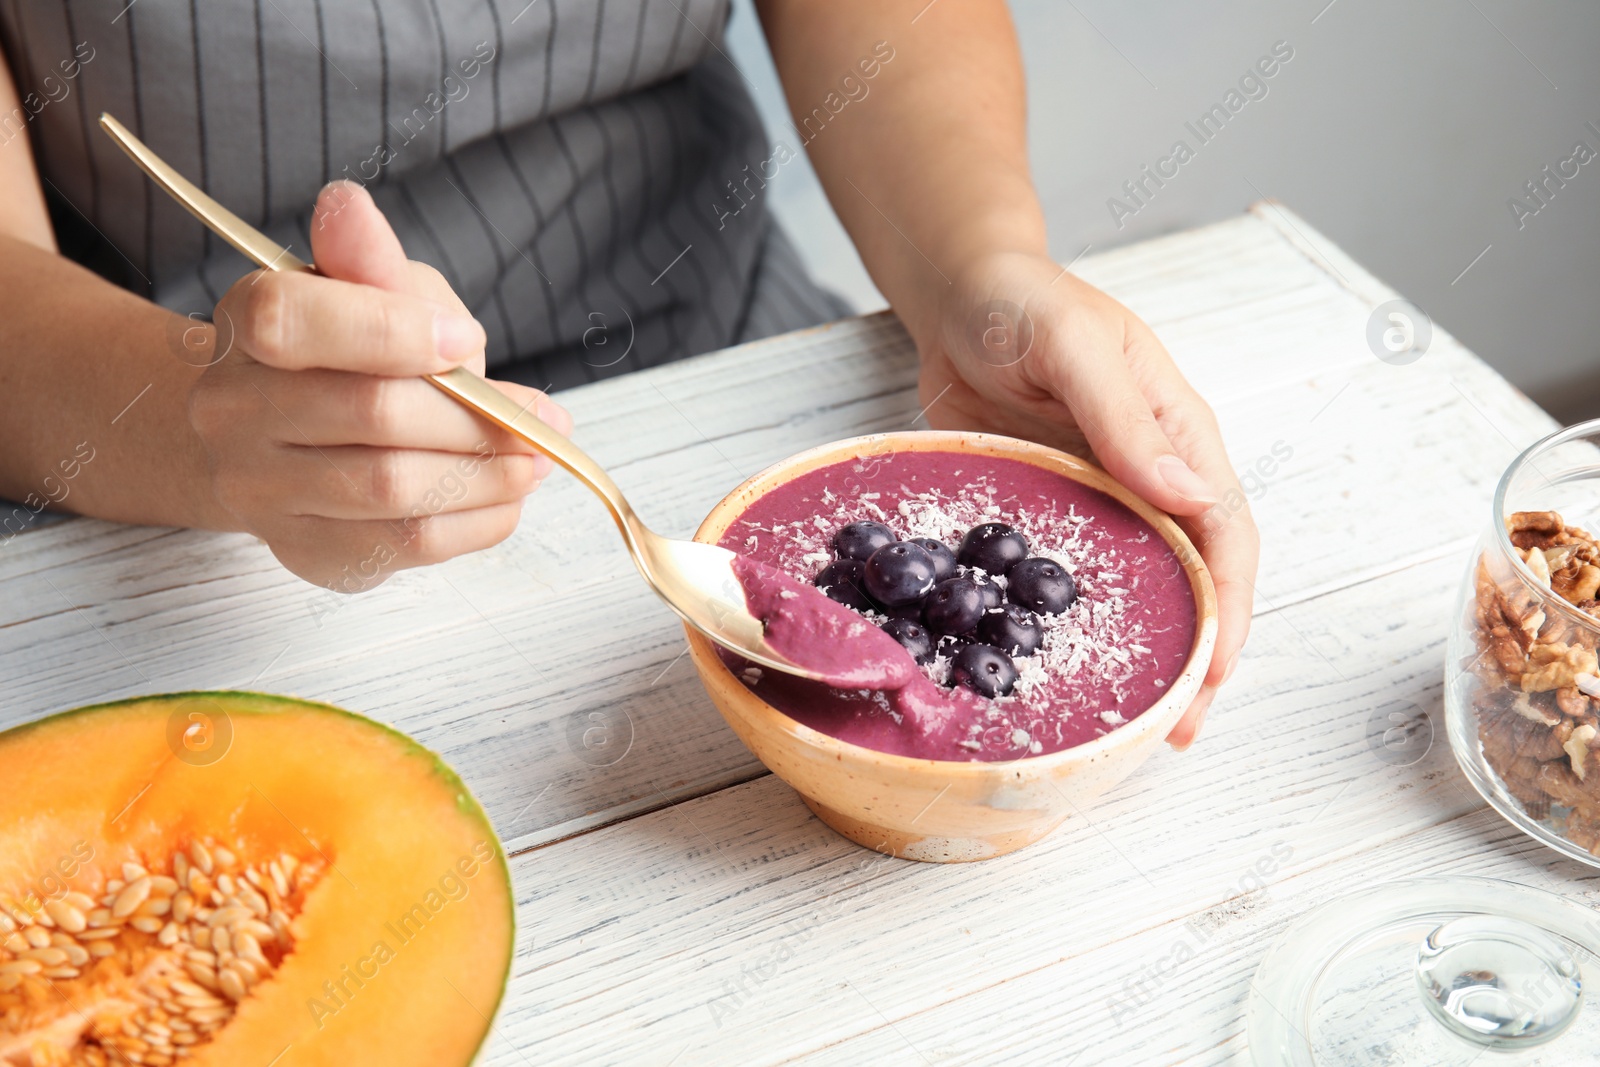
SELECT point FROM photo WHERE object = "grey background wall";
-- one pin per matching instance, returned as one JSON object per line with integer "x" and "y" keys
{"x": 1399, "y": 129}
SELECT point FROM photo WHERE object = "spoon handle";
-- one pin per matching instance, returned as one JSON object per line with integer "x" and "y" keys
{"x": 460, "y": 384}
{"x": 476, "y": 393}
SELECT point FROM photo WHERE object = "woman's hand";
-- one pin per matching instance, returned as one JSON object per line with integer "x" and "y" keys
{"x": 322, "y": 438}
{"x": 1019, "y": 346}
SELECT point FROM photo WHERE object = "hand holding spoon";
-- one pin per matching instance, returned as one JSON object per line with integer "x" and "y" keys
{"x": 705, "y": 584}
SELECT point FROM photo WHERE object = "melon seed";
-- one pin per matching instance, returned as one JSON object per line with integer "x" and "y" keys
{"x": 155, "y": 906}
{"x": 254, "y": 901}
{"x": 279, "y": 882}
{"x": 136, "y": 892}
{"x": 66, "y": 916}
{"x": 246, "y": 946}
{"x": 230, "y": 983}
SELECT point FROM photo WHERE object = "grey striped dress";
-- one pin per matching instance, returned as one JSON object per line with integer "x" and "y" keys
{"x": 580, "y": 170}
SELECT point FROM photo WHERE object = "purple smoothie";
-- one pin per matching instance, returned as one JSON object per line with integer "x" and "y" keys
{"x": 829, "y": 640}
{"x": 1104, "y": 662}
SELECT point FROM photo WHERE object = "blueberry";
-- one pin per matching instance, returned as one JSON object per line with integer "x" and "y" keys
{"x": 983, "y": 669}
{"x": 1012, "y": 629}
{"x": 898, "y": 574}
{"x": 950, "y": 644}
{"x": 992, "y": 546}
{"x": 993, "y": 595}
{"x": 953, "y": 607}
{"x": 944, "y": 560}
{"x": 1041, "y": 585}
{"x": 841, "y": 581}
{"x": 911, "y": 611}
{"x": 858, "y": 540}
{"x": 913, "y": 637}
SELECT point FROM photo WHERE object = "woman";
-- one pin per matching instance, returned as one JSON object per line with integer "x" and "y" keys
{"x": 555, "y": 169}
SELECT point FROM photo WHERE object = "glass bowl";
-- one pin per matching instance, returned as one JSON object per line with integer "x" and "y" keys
{"x": 1522, "y": 686}
{"x": 1446, "y": 972}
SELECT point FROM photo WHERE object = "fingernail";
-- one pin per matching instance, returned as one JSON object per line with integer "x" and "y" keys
{"x": 457, "y": 337}
{"x": 1182, "y": 479}
{"x": 1227, "y": 672}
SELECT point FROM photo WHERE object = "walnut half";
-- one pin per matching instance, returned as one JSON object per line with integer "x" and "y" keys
{"x": 1557, "y": 666}
{"x": 1577, "y": 747}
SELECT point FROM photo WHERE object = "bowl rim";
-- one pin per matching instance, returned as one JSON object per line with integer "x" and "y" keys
{"x": 1502, "y": 536}
{"x": 1135, "y": 730}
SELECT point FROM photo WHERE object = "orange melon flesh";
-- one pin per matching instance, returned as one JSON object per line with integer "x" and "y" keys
{"x": 401, "y": 937}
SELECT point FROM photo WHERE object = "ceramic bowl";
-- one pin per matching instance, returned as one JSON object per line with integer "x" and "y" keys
{"x": 944, "y": 810}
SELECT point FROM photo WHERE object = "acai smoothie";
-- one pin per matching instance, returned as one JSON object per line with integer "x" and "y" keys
{"x": 1028, "y": 612}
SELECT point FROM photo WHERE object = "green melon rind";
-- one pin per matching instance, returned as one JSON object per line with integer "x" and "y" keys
{"x": 466, "y": 803}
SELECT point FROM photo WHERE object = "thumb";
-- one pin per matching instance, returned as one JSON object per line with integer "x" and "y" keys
{"x": 1115, "y": 416}
{"x": 352, "y": 241}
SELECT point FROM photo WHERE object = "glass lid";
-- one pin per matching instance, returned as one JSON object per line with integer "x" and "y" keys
{"x": 1436, "y": 971}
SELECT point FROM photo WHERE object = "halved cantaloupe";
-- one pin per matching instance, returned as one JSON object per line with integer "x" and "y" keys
{"x": 231, "y": 878}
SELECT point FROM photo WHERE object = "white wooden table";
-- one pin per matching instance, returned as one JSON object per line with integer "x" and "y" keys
{"x": 678, "y": 905}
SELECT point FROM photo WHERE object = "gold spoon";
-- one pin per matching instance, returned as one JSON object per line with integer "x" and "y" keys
{"x": 697, "y": 581}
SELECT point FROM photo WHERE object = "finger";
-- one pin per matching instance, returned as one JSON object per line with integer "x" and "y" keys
{"x": 352, "y": 241}
{"x": 1226, "y": 538}
{"x": 351, "y": 557}
{"x": 429, "y": 284}
{"x": 1234, "y": 581}
{"x": 324, "y": 407}
{"x": 550, "y": 413}
{"x": 295, "y": 321}
{"x": 1188, "y": 728}
{"x": 1228, "y": 541}
{"x": 360, "y": 483}
{"x": 1089, "y": 374}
